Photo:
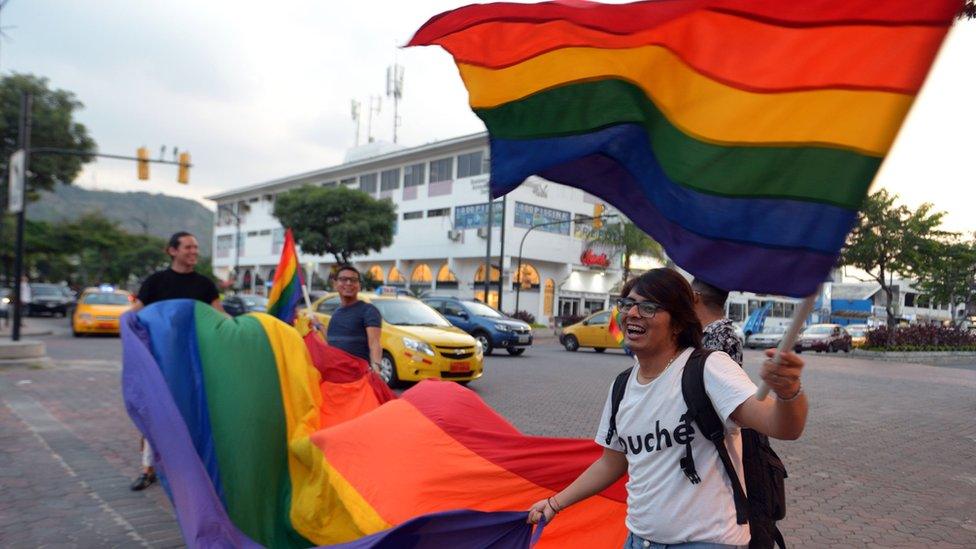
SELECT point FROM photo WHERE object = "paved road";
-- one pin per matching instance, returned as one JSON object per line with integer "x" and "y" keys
{"x": 886, "y": 461}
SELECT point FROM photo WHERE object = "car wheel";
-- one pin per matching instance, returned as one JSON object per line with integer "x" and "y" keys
{"x": 465, "y": 382}
{"x": 571, "y": 343}
{"x": 599, "y": 349}
{"x": 485, "y": 341}
{"x": 76, "y": 333}
{"x": 388, "y": 370}
{"x": 831, "y": 348}
{"x": 847, "y": 349}
{"x": 515, "y": 351}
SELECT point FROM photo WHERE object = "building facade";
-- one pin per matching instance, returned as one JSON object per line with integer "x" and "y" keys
{"x": 440, "y": 191}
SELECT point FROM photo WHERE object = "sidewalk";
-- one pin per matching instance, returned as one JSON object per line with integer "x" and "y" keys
{"x": 26, "y": 329}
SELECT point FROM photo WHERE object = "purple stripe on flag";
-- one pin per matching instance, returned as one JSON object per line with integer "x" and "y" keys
{"x": 457, "y": 529}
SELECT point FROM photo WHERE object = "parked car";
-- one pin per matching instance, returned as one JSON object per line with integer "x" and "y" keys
{"x": 99, "y": 310}
{"x": 240, "y": 304}
{"x": 858, "y": 334}
{"x": 490, "y": 327}
{"x": 418, "y": 343}
{"x": 50, "y": 299}
{"x": 770, "y": 337}
{"x": 828, "y": 338}
{"x": 593, "y": 331}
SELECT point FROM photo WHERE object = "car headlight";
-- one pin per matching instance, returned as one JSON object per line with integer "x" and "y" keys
{"x": 502, "y": 327}
{"x": 85, "y": 316}
{"x": 478, "y": 347}
{"x": 5, "y": 300}
{"x": 418, "y": 346}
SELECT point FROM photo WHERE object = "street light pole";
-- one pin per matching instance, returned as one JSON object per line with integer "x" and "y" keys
{"x": 501, "y": 254}
{"x": 26, "y": 105}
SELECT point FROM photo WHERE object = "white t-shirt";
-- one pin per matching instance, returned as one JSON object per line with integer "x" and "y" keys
{"x": 662, "y": 504}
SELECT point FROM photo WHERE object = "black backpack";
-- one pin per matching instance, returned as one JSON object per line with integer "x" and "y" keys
{"x": 763, "y": 470}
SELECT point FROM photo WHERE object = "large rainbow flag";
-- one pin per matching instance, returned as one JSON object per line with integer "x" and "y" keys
{"x": 263, "y": 438}
{"x": 286, "y": 289}
{"x": 742, "y": 135}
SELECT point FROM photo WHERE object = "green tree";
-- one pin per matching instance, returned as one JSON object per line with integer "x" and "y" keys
{"x": 946, "y": 273}
{"x": 628, "y": 240}
{"x": 890, "y": 238}
{"x": 337, "y": 221}
{"x": 53, "y": 125}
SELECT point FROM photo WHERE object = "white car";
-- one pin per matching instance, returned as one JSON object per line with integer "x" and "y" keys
{"x": 766, "y": 339}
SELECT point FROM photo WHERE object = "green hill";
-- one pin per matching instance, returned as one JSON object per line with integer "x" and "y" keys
{"x": 136, "y": 212}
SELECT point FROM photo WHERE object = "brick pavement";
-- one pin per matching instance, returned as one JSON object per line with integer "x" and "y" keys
{"x": 887, "y": 459}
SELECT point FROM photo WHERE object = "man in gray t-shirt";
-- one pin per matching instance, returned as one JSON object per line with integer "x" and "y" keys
{"x": 355, "y": 326}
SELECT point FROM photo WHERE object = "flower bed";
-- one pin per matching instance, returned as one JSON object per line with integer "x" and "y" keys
{"x": 920, "y": 338}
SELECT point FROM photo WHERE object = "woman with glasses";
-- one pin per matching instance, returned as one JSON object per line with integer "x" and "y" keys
{"x": 664, "y": 505}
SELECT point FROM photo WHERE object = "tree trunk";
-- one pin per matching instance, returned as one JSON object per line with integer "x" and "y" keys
{"x": 626, "y": 267}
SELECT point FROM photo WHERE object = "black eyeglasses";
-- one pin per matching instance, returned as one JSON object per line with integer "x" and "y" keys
{"x": 347, "y": 279}
{"x": 646, "y": 309}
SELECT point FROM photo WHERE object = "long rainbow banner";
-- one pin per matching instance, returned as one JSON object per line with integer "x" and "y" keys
{"x": 267, "y": 439}
{"x": 743, "y": 135}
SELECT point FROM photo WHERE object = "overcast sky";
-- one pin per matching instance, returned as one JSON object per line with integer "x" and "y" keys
{"x": 257, "y": 91}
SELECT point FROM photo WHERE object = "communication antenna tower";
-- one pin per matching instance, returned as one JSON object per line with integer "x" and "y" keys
{"x": 394, "y": 89}
{"x": 356, "y": 108}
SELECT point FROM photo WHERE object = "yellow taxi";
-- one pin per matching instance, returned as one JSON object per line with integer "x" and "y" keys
{"x": 418, "y": 343}
{"x": 98, "y": 311}
{"x": 593, "y": 331}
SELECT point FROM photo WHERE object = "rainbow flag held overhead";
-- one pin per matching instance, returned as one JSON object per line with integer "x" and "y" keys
{"x": 266, "y": 439}
{"x": 286, "y": 290}
{"x": 742, "y": 135}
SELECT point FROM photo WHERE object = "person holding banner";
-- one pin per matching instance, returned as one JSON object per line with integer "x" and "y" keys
{"x": 355, "y": 327}
{"x": 665, "y": 505}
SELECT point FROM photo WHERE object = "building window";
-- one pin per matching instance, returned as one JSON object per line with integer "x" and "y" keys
{"x": 592, "y": 306}
{"x": 396, "y": 277}
{"x": 225, "y": 243}
{"x": 265, "y": 232}
{"x": 348, "y": 182}
{"x": 329, "y": 184}
{"x": 390, "y": 180}
{"x": 479, "y": 276}
{"x": 737, "y": 311}
{"x": 445, "y": 278}
{"x": 375, "y": 273}
{"x": 421, "y": 275}
{"x": 527, "y": 276}
{"x": 413, "y": 215}
{"x": 277, "y": 240}
{"x": 253, "y": 200}
{"x": 367, "y": 183}
{"x": 439, "y": 212}
{"x": 441, "y": 170}
{"x": 909, "y": 299}
{"x": 471, "y": 164}
{"x": 413, "y": 176}
{"x": 527, "y": 215}
{"x": 252, "y": 233}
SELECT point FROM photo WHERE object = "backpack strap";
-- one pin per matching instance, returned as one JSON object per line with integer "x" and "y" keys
{"x": 710, "y": 425}
{"x": 616, "y": 395}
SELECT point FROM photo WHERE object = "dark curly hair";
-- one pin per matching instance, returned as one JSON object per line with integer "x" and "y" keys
{"x": 671, "y": 291}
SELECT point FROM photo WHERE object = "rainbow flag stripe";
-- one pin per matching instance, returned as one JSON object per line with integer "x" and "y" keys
{"x": 266, "y": 439}
{"x": 615, "y": 326}
{"x": 286, "y": 289}
{"x": 742, "y": 135}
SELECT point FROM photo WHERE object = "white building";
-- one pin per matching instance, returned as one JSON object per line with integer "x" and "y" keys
{"x": 440, "y": 192}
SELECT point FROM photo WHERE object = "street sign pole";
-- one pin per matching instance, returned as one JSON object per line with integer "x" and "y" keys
{"x": 26, "y": 103}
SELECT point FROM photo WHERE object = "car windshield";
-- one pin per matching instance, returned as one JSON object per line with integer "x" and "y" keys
{"x": 857, "y": 331}
{"x": 46, "y": 290}
{"x": 106, "y": 298}
{"x": 253, "y": 301}
{"x": 480, "y": 309}
{"x": 774, "y": 330}
{"x": 407, "y": 312}
{"x": 818, "y": 330}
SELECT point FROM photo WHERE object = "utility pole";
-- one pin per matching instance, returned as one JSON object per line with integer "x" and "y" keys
{"x": 26, "y": 105}
{"x": 394, "y": 89}
{"x": 501, "y": 253}
{"x": 488, "y": 253}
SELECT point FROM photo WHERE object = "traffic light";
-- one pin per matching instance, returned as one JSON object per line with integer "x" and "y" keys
{"x": 598, "y": 216}
{"x": 142, "y": 153}
{"x": 184, "y": 175}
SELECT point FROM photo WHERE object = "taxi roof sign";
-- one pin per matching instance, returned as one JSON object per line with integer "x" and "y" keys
{"x": 387, "y": 290}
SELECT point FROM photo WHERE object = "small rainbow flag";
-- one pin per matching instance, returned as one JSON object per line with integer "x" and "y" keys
{"x": 286, "y": 290}
{"x": 742, "y": 135}
{"x": 614, "y": 328}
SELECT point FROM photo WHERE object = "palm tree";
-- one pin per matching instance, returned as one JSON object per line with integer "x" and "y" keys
{"x": 628, "y": 240}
